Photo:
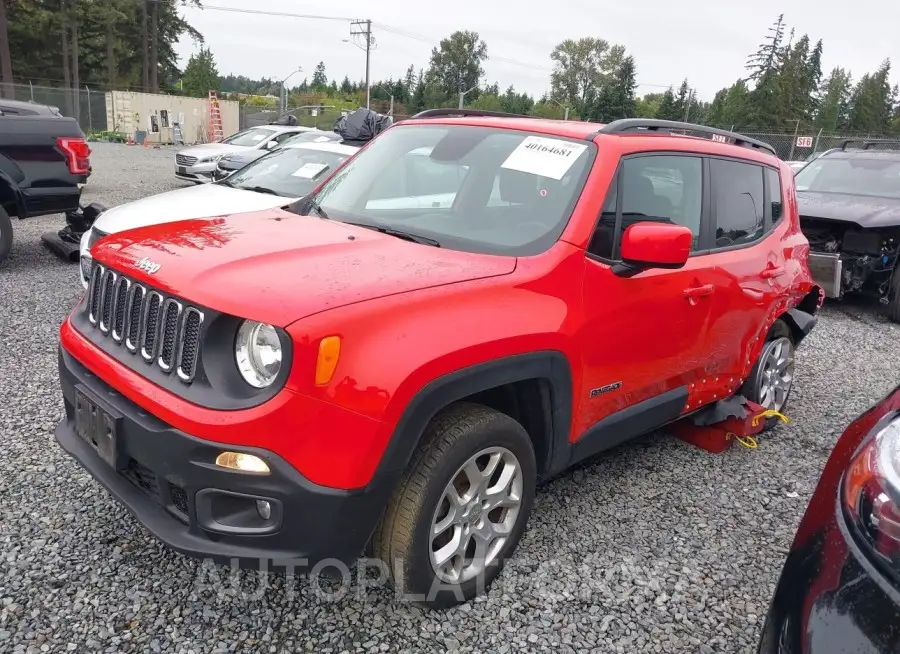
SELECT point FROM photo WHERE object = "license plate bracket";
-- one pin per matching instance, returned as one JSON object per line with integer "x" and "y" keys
{"x": 181, "y": 170}
{"x": 98, "y": 426}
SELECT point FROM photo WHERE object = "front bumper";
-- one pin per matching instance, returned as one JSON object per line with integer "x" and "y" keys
{"x": 221, "y": 173}
{"x": 199, "y": 172}
{"x": 169, "y": 481}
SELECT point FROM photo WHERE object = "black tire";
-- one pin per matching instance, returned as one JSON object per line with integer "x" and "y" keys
{"x": 402, "y": 539}
{"x": 893, "y": 307}
{"x": 6, "y": 234}
{"x": 751, "y": 388}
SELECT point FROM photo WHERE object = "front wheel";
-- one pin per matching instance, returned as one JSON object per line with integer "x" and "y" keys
{"x": 460, "y": 508}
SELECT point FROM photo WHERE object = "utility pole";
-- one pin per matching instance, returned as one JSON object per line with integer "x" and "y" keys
{"x": 687, "y": 104}
{"x": 796, "y": 132}
{"x": 364, "y": 28}
{"x": 462, "y": 95}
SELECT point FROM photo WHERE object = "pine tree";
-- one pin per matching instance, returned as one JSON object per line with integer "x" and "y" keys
{"x": 319, "y": 79}
{"x": 834, "y": 101}
{"x": 668, "y": 110}
{"x": 409, "y": 83}
{"x": 813, "y": 79}
{"x": 346, "y": 86}
{"x": 872, "y": 102}
{"x": 615, "y": 99}
{"x": 764, "y": 66}
{"x": 716, "y": 115}
{"x": 765, "y": 59}
{"x": 200, "y": 75}
{"x": 418, "y": 99}
{"x": 683, "y": 99}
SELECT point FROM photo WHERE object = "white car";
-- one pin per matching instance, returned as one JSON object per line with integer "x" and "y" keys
{"x": 275, "y": 180}
{"x": 198, "y": 162}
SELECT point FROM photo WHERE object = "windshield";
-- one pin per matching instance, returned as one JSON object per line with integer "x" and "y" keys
{"x": 250, "y": 138}
{"x": 291, "y": 172}
{"x": 873, "y": 176}
{"x": 469, "y": 188}
{"x": 312, "y": 136}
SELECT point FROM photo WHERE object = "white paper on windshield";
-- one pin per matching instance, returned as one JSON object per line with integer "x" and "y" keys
{"x": 544, "y": 156}
{"x": 258, "y": 137}
{"x": 309, "y": 170}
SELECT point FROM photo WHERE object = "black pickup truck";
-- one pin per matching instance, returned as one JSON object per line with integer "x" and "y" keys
{"x": 44, "y": 162}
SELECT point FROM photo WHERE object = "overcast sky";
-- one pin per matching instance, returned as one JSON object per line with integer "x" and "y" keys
{"x": 705, "y": 40}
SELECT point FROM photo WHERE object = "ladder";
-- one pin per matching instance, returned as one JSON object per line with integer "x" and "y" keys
{"x": 216, "y": 132}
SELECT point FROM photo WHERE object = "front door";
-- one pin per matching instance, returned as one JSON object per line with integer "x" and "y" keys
{"x": 643, "y": 337}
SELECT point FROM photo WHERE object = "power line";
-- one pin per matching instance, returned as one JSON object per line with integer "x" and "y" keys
{"x": 416, "y": 36}
{"x": 262, "y": 12}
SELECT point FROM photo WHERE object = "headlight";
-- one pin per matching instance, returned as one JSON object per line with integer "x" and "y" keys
{"x": 214, "y": 157}
{"x": 871, "y": 493}
{"x": 257, "y": 351}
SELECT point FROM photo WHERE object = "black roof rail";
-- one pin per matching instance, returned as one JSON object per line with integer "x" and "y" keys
{"x": 868, "y": 145}
{"x": 668, "y": 126}
{"x": 462, "y": 113}
{"x": 846, "y": 142}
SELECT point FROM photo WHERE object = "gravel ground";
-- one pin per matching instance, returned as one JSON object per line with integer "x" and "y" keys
{"x": 655, "y": 547}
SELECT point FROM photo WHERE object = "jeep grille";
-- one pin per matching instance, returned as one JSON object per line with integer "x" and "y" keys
{"x": 161, "y": 328}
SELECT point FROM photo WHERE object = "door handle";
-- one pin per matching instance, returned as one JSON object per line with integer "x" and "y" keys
{"x": 699, "y": 291}
{"x": 770, "y": 273}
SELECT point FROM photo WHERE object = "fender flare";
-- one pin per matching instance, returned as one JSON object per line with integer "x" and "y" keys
{"x": 8, "y": 187}
{"x": 800, "y": 323}
{"x": 549, "y": 365}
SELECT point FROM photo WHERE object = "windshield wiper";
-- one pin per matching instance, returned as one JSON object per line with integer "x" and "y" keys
{"x": 399, "y": 233}
{"x": 315, "y": 206}
{"x": 259, "y": 189}
{"x": 415, "y": 238}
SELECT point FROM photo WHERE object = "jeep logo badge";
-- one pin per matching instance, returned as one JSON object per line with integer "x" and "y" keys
{"x": 147, "y": 266}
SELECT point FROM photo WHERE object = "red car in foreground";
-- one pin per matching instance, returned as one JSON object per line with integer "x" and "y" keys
{"x": 839, "y": 589}
{"x": 471, "y": 303}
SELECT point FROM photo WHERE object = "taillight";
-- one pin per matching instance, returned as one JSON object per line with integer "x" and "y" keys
{"x": 77, "y": 152}
{"x": 871, "y": 493}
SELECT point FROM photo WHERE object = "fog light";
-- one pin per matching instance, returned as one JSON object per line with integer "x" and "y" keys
{"x": 264, "y": 509}
{"x": 242, "y": 462}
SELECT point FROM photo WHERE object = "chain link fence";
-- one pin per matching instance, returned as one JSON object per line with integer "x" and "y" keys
{"x": 319, "y": 116}
{"x": 805, "y": 144}
{"x": 86, "y": 105}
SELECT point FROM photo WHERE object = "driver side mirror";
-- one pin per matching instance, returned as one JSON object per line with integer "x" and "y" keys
{"x": 271, "y": 145}
{"x": 649, "y": 245}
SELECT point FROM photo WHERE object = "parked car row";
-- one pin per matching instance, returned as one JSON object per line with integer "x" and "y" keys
{"x": 333, "y": 349}
{"x": 275, "y": 180}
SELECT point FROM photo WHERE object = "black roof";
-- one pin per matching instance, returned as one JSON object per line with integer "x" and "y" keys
{"x": 889, "y": 155}
{"x": 17, "y": 108}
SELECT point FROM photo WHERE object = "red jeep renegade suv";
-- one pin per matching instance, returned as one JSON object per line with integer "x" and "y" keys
{"x": 473, "y": 302}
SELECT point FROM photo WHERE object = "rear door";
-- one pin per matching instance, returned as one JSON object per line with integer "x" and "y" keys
{"x": 747, "y": 268}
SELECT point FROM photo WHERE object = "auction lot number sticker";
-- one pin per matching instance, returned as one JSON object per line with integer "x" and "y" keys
{"x": 545, "y": 157}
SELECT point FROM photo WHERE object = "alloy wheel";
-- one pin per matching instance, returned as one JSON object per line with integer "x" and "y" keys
{"x": 776, "y": 373}
{"x": 475, "y": 515}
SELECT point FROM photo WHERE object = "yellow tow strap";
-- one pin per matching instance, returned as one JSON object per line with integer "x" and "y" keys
{"x": 750, "y": 442}
{"x": 747, "y": 441}
{"x": 769, "y": 413}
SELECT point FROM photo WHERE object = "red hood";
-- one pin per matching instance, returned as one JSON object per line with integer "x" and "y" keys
{"x": 277, "y": 267}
